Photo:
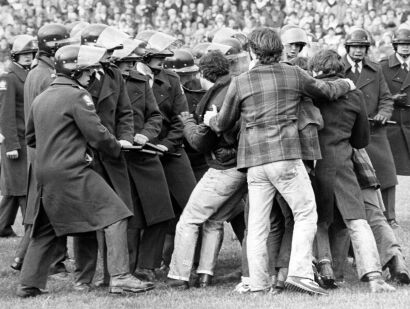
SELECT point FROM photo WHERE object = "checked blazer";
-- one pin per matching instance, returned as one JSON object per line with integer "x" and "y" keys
{"x": 266, "y": 98}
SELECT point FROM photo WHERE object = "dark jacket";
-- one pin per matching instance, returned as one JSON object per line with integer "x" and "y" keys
{"x": 171, "y": 102}
{"x": 38, "y": 79}
{"x": 398, "y": 81}
{"x": 113, "y": 106}
{"x": 378, "y": 101}
{"x": 153, "y": 202}
{"x": 335, "y": 183}
{"x": 61, "y": 126}
{"x": 12, "y": 126}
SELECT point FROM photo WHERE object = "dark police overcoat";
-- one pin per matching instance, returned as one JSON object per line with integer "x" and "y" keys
{"x": 153, "y": 202}
{"x": 378, "y": 100}
{"x": 398, "y": 81}
{"x": 171, "y": 102}
{"x": 13, "y": 171}
{"x": 62, "y": 125}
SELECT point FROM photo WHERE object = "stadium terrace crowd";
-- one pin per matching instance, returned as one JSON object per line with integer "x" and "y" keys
{"x": 140, "y": 128}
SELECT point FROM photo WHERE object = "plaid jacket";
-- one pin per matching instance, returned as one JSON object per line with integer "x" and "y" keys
{"x": 266, "y": 98}
{"x": 363, "y": 168}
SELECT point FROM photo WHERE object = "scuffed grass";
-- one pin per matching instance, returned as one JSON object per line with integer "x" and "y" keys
{"x": 353, "y": 295}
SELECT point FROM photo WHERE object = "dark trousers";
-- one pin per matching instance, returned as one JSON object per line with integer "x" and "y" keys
{"x": 85, "y": 249}
{"x": 145, "y": 246}
{"x": 9, "y": 206}
{"x": 389, "y": 201}
{"x": 59, "y": 255}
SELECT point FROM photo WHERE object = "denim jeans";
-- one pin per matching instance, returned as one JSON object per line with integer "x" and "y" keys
{"x": 291, "y": 180}
{"x": 214, "y": 199}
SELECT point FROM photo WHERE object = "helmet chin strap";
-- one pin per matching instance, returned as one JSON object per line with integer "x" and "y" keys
{"x": 404, "y": 56}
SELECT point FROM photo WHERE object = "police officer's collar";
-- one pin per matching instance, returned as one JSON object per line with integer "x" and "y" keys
{"x": 62, "y": 79}
{"x": 400, "y": 60}
{"x": 18, "y": 70}
{"x": 162, "y": 78}
{"x": 134, "y": 74}
{"x": 47, "y": 61}
{"x": 365, "y": 63}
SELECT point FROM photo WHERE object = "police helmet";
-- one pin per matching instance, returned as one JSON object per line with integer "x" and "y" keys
{"x": 182, "y": 62}
{"x": 23, "y": 44}
{"x": 51, "y": 37}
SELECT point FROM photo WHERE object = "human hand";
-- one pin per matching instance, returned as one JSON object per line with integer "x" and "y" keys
{"x": 184, "y": 116}
{"x": 140, "y": 139}
{"x": 162, "y": 147}
{"x": 1, "y": 138}
{"x": 14, "y": 154}
{"x": 380, "y": 119}
{"x": 210, "y": 114}
{"x": 124, "y": 143}
{"x": 351, "y": 83}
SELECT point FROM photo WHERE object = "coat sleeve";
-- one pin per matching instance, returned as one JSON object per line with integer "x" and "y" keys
{"x": 200, "y": 137}
{"x": 230, "y": 110}
{"x": 386, "y": 104}
{"x": 124, "y": 115}
{"x": 96, "y": 134}
{"x": 319, "y": 89}
{"x": 153, "y": 117}
{"x": 30, "y": 132}
{"x": 8, "y": 113}
{"x": 179, "y": 103}
{"x": 360, "y": 137}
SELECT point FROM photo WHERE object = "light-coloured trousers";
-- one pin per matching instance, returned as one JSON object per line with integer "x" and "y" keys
{"x": 292, "y": 181}
{"x": 215, "y": 199}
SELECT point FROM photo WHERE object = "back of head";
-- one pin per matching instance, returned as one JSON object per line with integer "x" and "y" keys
{"x": 50, "y": 37}
{"x": 213, "y": 65}
{"x": 266, "y": 44}
{"x": 326, "y": 61}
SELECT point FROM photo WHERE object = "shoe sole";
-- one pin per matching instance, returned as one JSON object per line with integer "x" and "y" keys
{"x": 122, "y": 290}
{"x": 295, "y": 288}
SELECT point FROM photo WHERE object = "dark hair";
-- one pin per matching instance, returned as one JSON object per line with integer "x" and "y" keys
{"x": 266, "y": 44}
{"x": 327, "y": 61}
{"x": 213, "y": 65}
{"x": 301, "y": 62}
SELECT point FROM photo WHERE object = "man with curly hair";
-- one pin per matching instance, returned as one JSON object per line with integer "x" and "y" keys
{"x": 266, "y": 99}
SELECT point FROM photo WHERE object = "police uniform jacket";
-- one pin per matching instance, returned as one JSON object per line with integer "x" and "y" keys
{"x": 378, "y": 101}
{"x": 152, "y": 203}
{"x": 13, "y": 171}
{"x": 38, "y": 79}
{"x": 398, "y": 81}
{"x": 335, "y": 182}
{"x": 62, "y": 125}
{"x": 113, "y": 106}
{"x": 171, "y": 102}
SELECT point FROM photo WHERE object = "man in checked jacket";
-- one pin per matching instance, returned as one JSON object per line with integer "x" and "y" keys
{"x": 266, "y": 99}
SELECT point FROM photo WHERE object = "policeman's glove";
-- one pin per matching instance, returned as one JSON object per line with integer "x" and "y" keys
{"x": 380, "y": 119}
{"x": 351, "y": 83}
{"x": 400, "y": 99}
{"x": 140, "y": 139}
{"x": 1, "y": 138}
{"x": 124, "y": 143}
{"x": 184, "y": 117}
{"x": 162, "y": 147}
{"x": 209, "y": 114}
{"x": 14, "y": 154}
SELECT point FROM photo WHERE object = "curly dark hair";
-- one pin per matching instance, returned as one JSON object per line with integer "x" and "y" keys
{"x": 328, "y": 61}
{"x": 213, "y": 65}
{"x": 266, "y": 44}
{"x": 301, "y": 62}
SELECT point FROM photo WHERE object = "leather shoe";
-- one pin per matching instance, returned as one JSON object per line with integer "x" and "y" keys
{"x": 145, "y": 274}
{"x": 326, "y": 274}
{"x": 17, "y": 263}
{"x": 398, "y": 269}
{"x": 177, "y": 284}
{"x": 378, "y": 285}
{"x": 203, "y": 281}
{"x": 82, "y": 287}
{"x": 393, "y": 223}
{"x": 27, "y": 291}
{"x": 128, "y": 283}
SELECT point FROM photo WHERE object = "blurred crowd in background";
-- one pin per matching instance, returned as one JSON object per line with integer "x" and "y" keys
{"x": 193, "y": 21}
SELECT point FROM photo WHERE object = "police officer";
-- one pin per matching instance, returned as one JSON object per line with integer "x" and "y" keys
{"x": 152, "y": 203}
{"x": 13, "y": 148}
{"x": 112, "y": 104}
{"x": 62, "y": 125}
{"x": 368, "y": 77}
{"x": 293, "y": 39}
{"x": 171, "y": 100}
{"x": 49, "y": 38}
{"x": 396, "y": 72}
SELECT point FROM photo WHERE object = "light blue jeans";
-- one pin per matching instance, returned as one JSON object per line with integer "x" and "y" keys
{"x": 292, "y": 181}
{"x": 215, "y": 198}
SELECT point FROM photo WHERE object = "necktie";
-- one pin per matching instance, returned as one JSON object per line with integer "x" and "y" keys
{"x": 405, "y": 67}
{"x": 356, "y": 71}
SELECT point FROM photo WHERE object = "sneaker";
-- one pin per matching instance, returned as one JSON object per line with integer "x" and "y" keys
{"x": 128, "y": 283}
{"x": 243, "y": 286}
{"x": 177, "y": 284}
{"x": 82, "y": 287}
{"x": 304, "y": 285}
{"x": 378, "y": 285}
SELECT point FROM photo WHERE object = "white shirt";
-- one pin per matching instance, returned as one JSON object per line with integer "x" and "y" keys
{"x": 402, "y": 60}
{"x": 353, "y": 64}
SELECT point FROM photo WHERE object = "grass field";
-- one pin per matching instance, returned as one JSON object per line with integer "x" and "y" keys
{"x": 221, "y": 295}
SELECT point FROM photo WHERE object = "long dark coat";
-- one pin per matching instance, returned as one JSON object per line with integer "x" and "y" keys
{"x": 335, "y": 183}
{"x": 113, "y": 106}
{"x": 61, "y": 125}
{"x": 152, "y": 203}
{"x": 378, "y": 100}
{"x": 171, "y": 102}
{"x": 14, "y": 171}
{"x": 38, "y": 79}
{"x": 398, "y": 81}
